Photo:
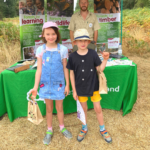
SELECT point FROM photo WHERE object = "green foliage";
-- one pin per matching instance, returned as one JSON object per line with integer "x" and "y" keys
{"x": 9, "y": 31}
{"x": 1, "y": 16}
{"x": 143, "y": 3}
{"x": 130, "y": 4}
{"x": 9, "y": 9}
{"x": 136, "y": 17}
{"x": 136, "y": 30}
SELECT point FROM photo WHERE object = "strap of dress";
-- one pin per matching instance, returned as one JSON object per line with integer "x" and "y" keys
{"x": 58, "y": 47}
{"x": 44, "y": 48}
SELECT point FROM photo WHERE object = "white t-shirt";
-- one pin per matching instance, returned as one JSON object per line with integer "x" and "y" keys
{"x": 63, "y": 51}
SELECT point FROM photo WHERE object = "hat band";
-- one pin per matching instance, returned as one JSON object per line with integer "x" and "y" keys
{"x": 79, "y": 37}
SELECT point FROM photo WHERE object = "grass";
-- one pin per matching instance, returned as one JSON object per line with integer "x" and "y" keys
{"x": 136, "y": 31}
{"x": 10, "y": 20}
{"x": 9, "y": 42}
{"x": 128, "y": 133}
{"x": 139, "y": 17}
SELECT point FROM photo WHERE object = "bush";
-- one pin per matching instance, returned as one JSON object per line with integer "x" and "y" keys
{"x": 9, "y": 31}
{"x": 1, "y": 16}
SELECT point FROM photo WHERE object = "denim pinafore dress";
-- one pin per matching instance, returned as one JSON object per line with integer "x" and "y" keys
{"x": 52, "y": 83}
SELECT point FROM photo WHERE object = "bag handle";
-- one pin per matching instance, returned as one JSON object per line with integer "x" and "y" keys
{"x": 30, "y": 98}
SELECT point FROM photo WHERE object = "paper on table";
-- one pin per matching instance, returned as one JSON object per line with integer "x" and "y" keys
{"x": 35, "y": 65}
{"x": 80, "y": 113}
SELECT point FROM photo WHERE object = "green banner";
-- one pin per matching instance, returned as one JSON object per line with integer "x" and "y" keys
{"x": 32, "y": 17}
{"x": 109, "y": 27}
{"x": 60, "y": 12}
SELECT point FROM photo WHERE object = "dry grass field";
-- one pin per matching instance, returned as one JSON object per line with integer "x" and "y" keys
{"x": 131, "y": 132}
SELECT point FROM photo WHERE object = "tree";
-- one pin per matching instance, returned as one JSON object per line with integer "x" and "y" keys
{"x": 129, "y": 4}
{"x": 9, "y": 9}
{"x": 143, "y": 3}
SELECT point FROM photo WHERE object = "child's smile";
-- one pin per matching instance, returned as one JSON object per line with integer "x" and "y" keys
{"x": 50, "y": 35}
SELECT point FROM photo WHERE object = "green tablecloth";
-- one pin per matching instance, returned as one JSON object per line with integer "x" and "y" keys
{"x": 121, "y": 81}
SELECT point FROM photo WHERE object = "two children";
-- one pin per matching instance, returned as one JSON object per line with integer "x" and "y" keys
{"x": 32, "y": 7}
{"x": 51, "y": 71}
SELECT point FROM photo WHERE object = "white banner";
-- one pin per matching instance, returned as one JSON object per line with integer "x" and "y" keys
{"x": 113, "y": 42}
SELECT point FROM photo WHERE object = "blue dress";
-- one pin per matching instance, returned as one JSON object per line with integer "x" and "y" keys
{"x": 52, "y": 83}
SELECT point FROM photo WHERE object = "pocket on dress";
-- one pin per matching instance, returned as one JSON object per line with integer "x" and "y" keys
{"x": 57, "y": 85}
{"x": 43, "y": 86}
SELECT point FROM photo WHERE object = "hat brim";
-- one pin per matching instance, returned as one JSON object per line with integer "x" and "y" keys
{"x": 49, "y": 27}
{"x": 82, "y": 39}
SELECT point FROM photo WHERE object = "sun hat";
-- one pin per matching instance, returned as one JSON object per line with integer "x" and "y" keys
{"x": 81, "y": 34}
{"x": 48, "y": 25}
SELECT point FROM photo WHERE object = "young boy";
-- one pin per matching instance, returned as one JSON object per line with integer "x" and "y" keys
{"x": 84, "y": 80}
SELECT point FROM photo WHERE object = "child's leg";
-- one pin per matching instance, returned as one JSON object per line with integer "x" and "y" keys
{"x": 99, "y": 114}
{"x": 83, "y": 132}
{"x": 49, "y": 110}
{"x": 84, "y": 106}
{"x": 60, "y": 115}
{"x": 97, "y": 107}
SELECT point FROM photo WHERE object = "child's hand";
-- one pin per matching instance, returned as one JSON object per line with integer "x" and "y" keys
{"x": 106, "y": 55}
{"x": 66, "y": 90}
{"x": 33, "y": 92}
{"x": 75, "y": 96}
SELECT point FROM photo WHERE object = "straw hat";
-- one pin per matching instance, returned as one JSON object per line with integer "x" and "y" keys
{"x": 81, "y": 34}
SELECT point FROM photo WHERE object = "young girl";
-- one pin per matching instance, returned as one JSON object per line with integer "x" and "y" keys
{"x": 51, "y": 71}
{"x": 40, "y": 8}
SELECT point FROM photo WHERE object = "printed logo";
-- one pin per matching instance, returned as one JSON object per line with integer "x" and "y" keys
{"x": 111, "y": 89}
{"x": 47, "y": 59}
{"x": 90, "y": 25}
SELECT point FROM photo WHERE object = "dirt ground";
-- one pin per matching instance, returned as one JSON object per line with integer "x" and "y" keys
{"x": 130, "y": 132}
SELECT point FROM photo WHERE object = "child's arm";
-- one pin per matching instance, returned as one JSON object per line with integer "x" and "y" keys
{"x": 66, "y": 73}
{"x": 37, "y": 77}
{"x": 103, "y": 64}
{"x": 72, "y": 78}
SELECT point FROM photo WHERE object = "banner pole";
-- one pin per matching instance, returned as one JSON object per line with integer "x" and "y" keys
{"x": 121, "y": 18}
{"x": 45, "y": 9}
